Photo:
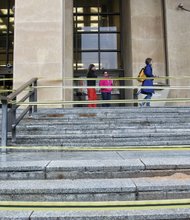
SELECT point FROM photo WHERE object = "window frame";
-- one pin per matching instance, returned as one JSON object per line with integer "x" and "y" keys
{"x": 7, "y": 49}
{"x": 77, "y": 50}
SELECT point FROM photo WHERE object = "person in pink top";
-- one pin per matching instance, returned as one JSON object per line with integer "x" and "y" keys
{"x": 106, "y": 92}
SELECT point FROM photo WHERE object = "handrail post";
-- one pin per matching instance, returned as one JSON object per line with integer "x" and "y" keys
{"x": 35, "y": 95}
{"x": 31, "y": 99}
{"x": 13, "y": 121}
{"x": 4, "y": 128}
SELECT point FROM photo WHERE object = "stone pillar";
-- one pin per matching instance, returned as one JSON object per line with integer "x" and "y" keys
{"x": 67, "y": 49}
{"x": 127, "y": 45}
{"x": 43, "y": 46}
{"x": 178, "y": 35}
{"x": 148, "y": 35}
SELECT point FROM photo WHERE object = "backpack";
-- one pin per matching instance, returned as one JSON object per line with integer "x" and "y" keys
{"x": 141, "y": 76}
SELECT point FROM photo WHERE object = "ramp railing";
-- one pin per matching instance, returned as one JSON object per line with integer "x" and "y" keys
{"x": 10, "y": 117}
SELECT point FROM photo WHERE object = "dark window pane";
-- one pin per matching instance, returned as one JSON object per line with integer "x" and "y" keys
{"x": 110, "y": 6}
{"x": 3, "y": 25}
{"x": 109, "y": 60}
{"x": 3, "y": 59}
{"x": 87, "y": 41}
{"x": 12, "y": 3}
{"x": 110, "y": 41}
{"x": 11, "y": 25}
{"x": 87, "y": 58}
{"x": 91, "y": 6}
{"x": 3, "y": 43}
{"x": 109, "y": 23}
{"x": 3, "y": 7}
{"x": 11, "y": 41}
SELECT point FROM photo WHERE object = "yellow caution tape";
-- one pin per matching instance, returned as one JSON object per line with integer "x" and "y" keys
{"x": 93, "y": 206}
{"x": 6, "y": 79}
{"x": 6, "y": 90}
{"x": 114, "y": 87}
{"x": 119, "y": 101}
{"x": 100, "y": 78}
{"x": 97, "y": 203}
{"x": 116, "y": 78}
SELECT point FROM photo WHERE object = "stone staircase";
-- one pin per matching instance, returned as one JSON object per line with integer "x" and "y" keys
{"x": 113, "y": 127}
{"x": 89, "y": 180}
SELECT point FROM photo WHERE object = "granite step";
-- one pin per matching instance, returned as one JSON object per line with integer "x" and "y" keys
{"x": 100, "y": 126}
{"x": 176, "y": 186}
{"x": 104, "y": 133}
{"x": 101, "y": 142}
{"x": 106, "y": 127}
{"x": 115, "y": 214}
{"x": 115, "y": 109}
{"x": 94, "y": 169}
{"x": 135, "y": 119}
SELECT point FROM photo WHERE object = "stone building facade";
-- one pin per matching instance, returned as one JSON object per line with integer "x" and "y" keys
{"x": 55, "y": 40}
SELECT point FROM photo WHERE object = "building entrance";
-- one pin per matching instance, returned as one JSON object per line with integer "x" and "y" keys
{"x": 97, "y": 37}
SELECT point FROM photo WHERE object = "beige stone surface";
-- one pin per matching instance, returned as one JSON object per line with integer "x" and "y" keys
{"x": 41, "y": 46}
{"x": 147, "y": 33}
{"x": 178, "y": 35}
{"x": 67, "y": 49}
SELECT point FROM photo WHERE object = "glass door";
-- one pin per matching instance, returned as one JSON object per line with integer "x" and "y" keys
{"x": 97, "y": 38}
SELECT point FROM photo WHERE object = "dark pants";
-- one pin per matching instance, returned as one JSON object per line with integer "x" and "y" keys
{"x": 106, "y": 96}
{"x": 148, "y": 97}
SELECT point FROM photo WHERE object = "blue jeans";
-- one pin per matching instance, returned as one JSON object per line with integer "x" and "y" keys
{"x": 106, "y": 96}
{"x": 148, "y": 97}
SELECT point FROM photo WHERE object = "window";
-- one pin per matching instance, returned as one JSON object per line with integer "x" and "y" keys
{"x": 97, "y": 34}
{"x": 6, "y": 31}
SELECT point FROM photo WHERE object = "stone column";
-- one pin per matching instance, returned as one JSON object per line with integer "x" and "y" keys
{"x": 127, "y": 45}
{"x": 43, "y": 46}
{"x": 178, "y": 35}
{"x": 67, "y": 57}
{"x": 147, "y": 34}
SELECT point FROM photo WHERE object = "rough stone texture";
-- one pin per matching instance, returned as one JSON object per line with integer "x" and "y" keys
{"x": 93, "y": 168}
{"x": 16, "y": 215}
{"x": 92, "y": 165}
{"x": 23, "y": 165}
{"x": 171, "y": 214}
{"x": 170, "y": 163}
{"x": 99, "y": 168}
{"x": 22, "y": 169}
{"x": 96, "y": 190}
{"x": 163, "y": 214}
{"x": 68, "y": 190}
{"x": 162, "y": 188}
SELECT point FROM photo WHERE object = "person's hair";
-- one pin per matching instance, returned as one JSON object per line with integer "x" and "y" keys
{"x": 90, "y": 67}
{"x": 148, "y": 61}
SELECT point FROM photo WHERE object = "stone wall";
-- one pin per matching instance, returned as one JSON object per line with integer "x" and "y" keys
{"x": 44, "y": 43}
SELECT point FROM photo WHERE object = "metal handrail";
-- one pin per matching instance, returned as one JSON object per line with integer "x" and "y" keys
{"x": 9, "y": 110}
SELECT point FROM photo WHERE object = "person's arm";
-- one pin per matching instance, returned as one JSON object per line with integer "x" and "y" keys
{"x": 148, "y": 71}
